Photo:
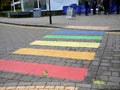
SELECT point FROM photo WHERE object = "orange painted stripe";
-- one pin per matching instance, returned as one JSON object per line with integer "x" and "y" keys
{"x": 56, "y": 53}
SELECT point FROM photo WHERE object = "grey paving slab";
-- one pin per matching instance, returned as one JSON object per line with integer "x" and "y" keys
{"x": 10, "y": 84}
{"x": 113, "y": 83}
{"x": 116, "y": 79}
{"x": 117, "y": 74}
{"x": 53, "y": 83}
{"x": 39, "y": 83}
{"x": 24, "y": 83}
{"x": 83, "y": 85}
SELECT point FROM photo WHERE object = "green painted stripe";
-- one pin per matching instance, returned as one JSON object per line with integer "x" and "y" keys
{"x": 74, "y": 37}
{"x": 66, "y": 44}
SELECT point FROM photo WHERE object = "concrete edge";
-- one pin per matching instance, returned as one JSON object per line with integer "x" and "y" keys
{"x": 10, "y": 23}
{"x": 79, "y": 85}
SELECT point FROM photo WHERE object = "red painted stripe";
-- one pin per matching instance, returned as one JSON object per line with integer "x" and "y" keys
{"x": 72, "y": 73}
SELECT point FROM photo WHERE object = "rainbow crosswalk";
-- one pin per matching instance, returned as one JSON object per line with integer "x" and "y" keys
{"x": 55, "y": 70}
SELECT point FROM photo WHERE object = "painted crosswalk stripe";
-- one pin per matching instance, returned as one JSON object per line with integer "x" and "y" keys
{"x": 56, "y": 53}
{"x": 64, "y": 72}
{"x": 73, "y": 37}
{"x": 77, "y": 32}
{"x": 66, "y": 44}
{"x": 88, "y": 27}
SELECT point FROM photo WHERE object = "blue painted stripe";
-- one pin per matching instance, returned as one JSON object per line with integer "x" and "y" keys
{"x": 77, "y": 32}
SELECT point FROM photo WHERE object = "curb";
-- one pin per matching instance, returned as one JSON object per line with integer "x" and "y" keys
{"x": 52, "y": 26}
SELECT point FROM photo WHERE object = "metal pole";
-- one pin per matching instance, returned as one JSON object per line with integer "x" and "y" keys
{"x": 50, "y": 13}
{"x": 0, "y": 7}
{"x": 14, "y": 6}
{"x": 22, "y": 5}
{"x": 38, "y": 4}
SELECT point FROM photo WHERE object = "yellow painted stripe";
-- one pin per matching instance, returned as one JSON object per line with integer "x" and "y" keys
{"x": 66, "y": 44}
{"x": 56, "y": 53}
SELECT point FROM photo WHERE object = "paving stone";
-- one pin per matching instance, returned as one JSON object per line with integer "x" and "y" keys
{"x": 67, "y": 84}
{"x": 104, "y": 78}
{"x": 18, "y": 76}
{"x": 71, "y": 61}
{"x": 95, "y": 63}
{"x": 86, "y": 62}
{"x": 113, "y": 83}
{"x": 12, "y": 81}
{"x": 116, "y": 58}
{"x": 104, "y": 68}
{"x": 114, "y": 69}
{"x": 97, "y": 58}
{"x": 91, "y": 73}
{"x": 7, "y": 75}
{"x": 68, "y": 64}
{"x": 105, "y": 61}
{"x": 79, "y": 62}
{"x": 10, "y": 84}
{"x": 83, "y": 85}
{"x": 85, "y": 66}
{"x": 114, "y": 79}
{"x": 60, "y": 63}
{"x": 45, "y": 80}
{"x": 105, "y": 64}
{"x": 106, "y": 73}
{"x": 98, "y": 87}
{"x": 100, "y": 72}
{"x": 44, "y": 61}
{"x": 2, "y": 80}
{"x": 26, "y": 78}
{"x": 115, "y": 74}
{"x": 93, "y": 68}
{"x": 25, "y": 83}
{"x": 35, "y": 79}
{"x": 56, "y": 80}
{"x": 39, "y": 83}
{"x": 115, "y": 61}
{"x": 116, "y": 65}
{"x": 92, "y": 89}
{"x": 88, "y": 80}
{"x": 76, "y": 65}
{"x": 53, "y": 83}
{"x": 1, "y": 84}
{"x": 84, "y": 88}
{"x": 107, "y": 57}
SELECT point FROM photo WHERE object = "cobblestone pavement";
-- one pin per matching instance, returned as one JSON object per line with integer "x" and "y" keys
{"x": 105, "y": 65}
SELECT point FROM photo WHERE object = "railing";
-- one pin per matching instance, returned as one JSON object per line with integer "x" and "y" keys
{"x": 16, "y": 3}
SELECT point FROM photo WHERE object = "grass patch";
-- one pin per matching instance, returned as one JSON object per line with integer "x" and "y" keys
{"x": 18, "y": 10}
